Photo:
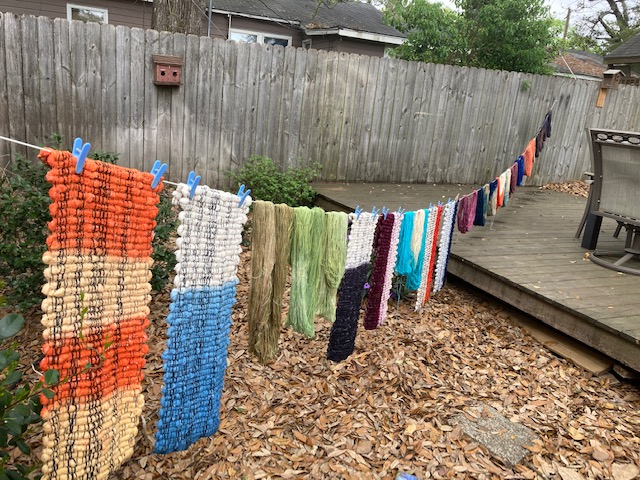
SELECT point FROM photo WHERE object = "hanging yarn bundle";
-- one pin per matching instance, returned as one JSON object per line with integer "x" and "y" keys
{"x": 446, "y": 232}
{"x": 507, "y": 186}
{"x": 284, "y": 223}
{"x": 382, "y": 249}
{"x": 344, "y": 330}
{"x": 493, "y": 198}
{"x": 263, "y": 340}
{"x": 418, "y": 245}
{"x": 391, "y": 263}
{"x": 95, "y": 313}
{"x": 467, "y": 208}
{"x": 334, "y": 245}
{"x": 195, "y": 359}
{"x": 480, "y": 218}
{"x": 306, "y": 262}
{"x": 424, "y": 290}
{"x": 406, "y": 261}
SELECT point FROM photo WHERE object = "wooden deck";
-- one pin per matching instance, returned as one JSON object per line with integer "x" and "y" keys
{"x": 528, "y": 257}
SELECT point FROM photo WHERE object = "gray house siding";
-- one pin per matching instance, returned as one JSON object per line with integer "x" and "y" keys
{"x": 221, "y": 21}
{"x": 335, "y": 43}
{"x": 131, "y": 13}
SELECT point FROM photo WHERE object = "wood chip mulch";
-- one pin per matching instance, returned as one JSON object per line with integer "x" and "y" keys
{"x": 578, "y": 188}
{"x": 387, "y": 408}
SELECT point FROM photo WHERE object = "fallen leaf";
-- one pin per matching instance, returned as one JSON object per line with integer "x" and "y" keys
{"x": 624, "y": 471}
{"x": 569, "y": 474}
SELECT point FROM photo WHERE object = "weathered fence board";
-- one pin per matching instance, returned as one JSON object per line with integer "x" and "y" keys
{"x": 362, "y": 118}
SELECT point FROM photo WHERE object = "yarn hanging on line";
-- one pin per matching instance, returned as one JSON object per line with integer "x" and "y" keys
{"x": 95, "y": 313}
{"x": 418, "y": 245}
{"x": 263, "y": 340}
{"x": 382, "y": 248}
{"x": 195, "y": 360}
{"x": 306, "y": 262}
{"x": 507, "y": 186}
{"x": 480, "y": 218}
{"x": 444, "y": 247}
{"x": 493, "y": 198}
{"x": 284, "y": 223}
{"x": 391, "y": 263}
{"x": 406, "y": 261}
{"x": 344, "y": 330}
{"x": 333, "y": 263}
{"x": 422, "y": 297}
{"x": 467, "y": 215}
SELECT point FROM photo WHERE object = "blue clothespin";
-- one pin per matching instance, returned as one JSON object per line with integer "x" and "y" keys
{"x": 80, "y": 151}
{"x": 401, "y": 211}
{"x": 358, "y": 212}
{"x": 157, "y": 171}
{"x": 385, "y": 212}
{"x": 192, "y": 182}
{"x": 243, "y": 194}
{"x": 374, "y": 212}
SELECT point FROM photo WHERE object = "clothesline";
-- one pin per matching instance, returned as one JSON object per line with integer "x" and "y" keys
{"x": 13, "y": 140}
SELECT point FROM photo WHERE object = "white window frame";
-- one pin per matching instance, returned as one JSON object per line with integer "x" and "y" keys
{"x": 260, "y": 35}
{"x": 102, "y": 11}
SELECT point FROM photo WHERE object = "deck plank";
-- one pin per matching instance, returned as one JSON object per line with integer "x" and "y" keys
{"x": 528, "y": 257}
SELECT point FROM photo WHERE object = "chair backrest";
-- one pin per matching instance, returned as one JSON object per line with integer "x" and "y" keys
{"x": 616, "y": 165}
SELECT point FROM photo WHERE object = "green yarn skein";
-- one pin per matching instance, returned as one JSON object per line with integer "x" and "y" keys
{"x": 333, "y": 264}
{"x": 306, "y": 261}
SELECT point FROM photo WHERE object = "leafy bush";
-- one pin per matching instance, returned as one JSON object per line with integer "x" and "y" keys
{"x": 164, "y": 258}
{"x": 19, "y": 406}
{"x": 24, "y": 210}
{"x": 268, "y": 183}
{"x": 24, "y": 213}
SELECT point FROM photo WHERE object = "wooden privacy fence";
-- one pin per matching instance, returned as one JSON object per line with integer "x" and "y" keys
{"x": 363, "y": 118}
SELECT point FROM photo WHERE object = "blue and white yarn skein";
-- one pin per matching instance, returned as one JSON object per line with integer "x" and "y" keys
{"x": 195, "y": 360}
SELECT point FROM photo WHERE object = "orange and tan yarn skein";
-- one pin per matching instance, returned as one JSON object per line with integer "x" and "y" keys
{"x": 95, "y": 314}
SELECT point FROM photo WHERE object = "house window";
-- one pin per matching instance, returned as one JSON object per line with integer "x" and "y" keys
{"x": 87, "y": 14}
{"x": 257, "y": 37}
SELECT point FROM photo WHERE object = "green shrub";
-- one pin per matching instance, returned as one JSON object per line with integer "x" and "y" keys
{"x": 164, "y": 258}
{"x": 24, "y": 213}
{"x": 19, "y": 406}
{"x": 268, "y": 183}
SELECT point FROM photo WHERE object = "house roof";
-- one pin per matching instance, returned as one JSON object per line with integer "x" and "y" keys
{"x": 628, "y": 52}
{"x": 311, "y": 15}
{"x": 579, "y": 63}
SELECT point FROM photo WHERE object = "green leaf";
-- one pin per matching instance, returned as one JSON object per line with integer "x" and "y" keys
{"x": 13, "y": 378}
{"x": 4, "y": 437}
{"x": 22, "y": 410}
{"x": 10, "y": 324}
{"x": 51, "y": 377}
{"x": 12, "y": 426}
{"x": 48, "y": 393}
{"x": 22, "y": 445}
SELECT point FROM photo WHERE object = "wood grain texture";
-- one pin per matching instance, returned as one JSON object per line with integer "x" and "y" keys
{"x": 362, "y": 118}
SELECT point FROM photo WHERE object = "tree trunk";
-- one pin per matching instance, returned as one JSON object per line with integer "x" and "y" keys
{"x": 181, "y": 16}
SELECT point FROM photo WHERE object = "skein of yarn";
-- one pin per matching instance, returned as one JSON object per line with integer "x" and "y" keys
{"x": 306, "y": 262}
{"x": 284, "y": 223}
{"x": 333, "y": 262}
{"x": 199, "y": 320}
{"x": 344, "y": 330}
{"x": 95, "y": 314}
{"x": 263, "y": 340}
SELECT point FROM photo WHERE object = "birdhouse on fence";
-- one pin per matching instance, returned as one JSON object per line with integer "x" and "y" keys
{"x": 611, "y": 81}
{"x": 612, "y": 78}
{"x": 167, "y": 70}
